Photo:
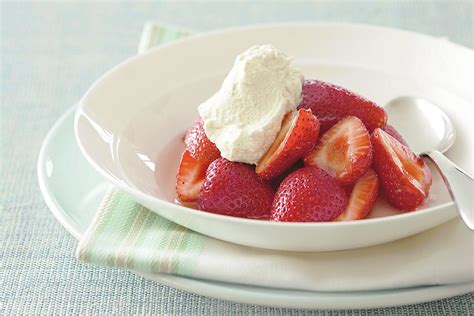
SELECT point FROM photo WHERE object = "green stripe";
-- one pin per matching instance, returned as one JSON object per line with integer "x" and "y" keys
{"x": 160, "y": 35}
{"x": 117, "y": 223}
{"x": 169, "y": 251}
{"x": 99, "y": 225}
{"x": 155, "y": 230}
{"x": 157, "y": 37}
{"x": 191, "y": 245}
{"x": 122, "y": 256}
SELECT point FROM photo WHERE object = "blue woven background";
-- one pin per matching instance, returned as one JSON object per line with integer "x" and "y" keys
{"x": 50, "y": 53}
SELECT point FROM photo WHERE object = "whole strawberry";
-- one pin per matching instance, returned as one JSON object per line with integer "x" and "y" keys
{"x": 275, "y": 182}
{"x": 234, "y": 189}
{"x": 308, "y": 195}
{"x": 331, "y": 103}
{"x": 198, "y": 145}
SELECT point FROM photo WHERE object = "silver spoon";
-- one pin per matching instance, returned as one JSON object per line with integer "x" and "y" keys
{"x": 429, "y": 132}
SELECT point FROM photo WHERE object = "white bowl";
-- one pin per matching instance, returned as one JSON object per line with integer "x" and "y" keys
{"x": 130, "y": 123}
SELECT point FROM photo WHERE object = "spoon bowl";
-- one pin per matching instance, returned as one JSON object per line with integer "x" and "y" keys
{"x": 423, "y": 125}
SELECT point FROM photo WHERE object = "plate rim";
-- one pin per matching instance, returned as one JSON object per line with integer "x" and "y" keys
{"x": 41, "y": 172}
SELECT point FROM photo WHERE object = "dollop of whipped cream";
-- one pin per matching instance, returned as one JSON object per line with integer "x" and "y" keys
{"x": 243, "y": 118}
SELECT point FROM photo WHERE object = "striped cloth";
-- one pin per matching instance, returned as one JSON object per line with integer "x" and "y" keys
{"x": 125, "y": 234}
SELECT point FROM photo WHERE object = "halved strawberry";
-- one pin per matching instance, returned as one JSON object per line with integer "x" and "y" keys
{"x": 362, "y": 198}
{"x": 298, "y": 134}
{"x": 389, "y": 129}
{"x": 403, "y": 175}
{"x": 331, "y": 103}
{"x": 199, "y": 145}
{"x": 308, "y": 194}
{"x": 234, "y": 189}
{"x": 190, "y": 177}
{"x": 345, "y": 151}
{"x": 199, "y": 154}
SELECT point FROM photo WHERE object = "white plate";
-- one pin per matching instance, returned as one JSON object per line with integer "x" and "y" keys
{"x": 73, "y": 191}
{"x": 130, "y": 122}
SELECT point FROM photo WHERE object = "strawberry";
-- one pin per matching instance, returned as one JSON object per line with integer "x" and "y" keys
{"x": 234, "y": 189}
{"x": 190, "y": 176}
{"x": 330, "y": 103}
{"x": 198, "y": 145}
{"x": 275, "y": 182}
{"x": 362, "y": 198}
{"x": 389, "y": 129}
{"x": 199, "y": 153}
{"x": 308, "y": 194}
{"x": 344, "y": 151}
{"x": 403, "y": 175}
{"x": 298, "y": 134}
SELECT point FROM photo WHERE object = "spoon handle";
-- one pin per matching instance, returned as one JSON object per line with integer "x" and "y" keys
{"x": 460, "y": 185}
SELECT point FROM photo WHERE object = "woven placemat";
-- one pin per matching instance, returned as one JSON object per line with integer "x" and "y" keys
{"x": 50, "y": 54}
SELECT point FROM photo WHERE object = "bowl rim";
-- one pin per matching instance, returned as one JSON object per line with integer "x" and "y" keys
{"x": 236, "y": 220}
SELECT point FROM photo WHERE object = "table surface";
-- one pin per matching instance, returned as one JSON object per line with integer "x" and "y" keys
{"x": 50, "y": 54}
